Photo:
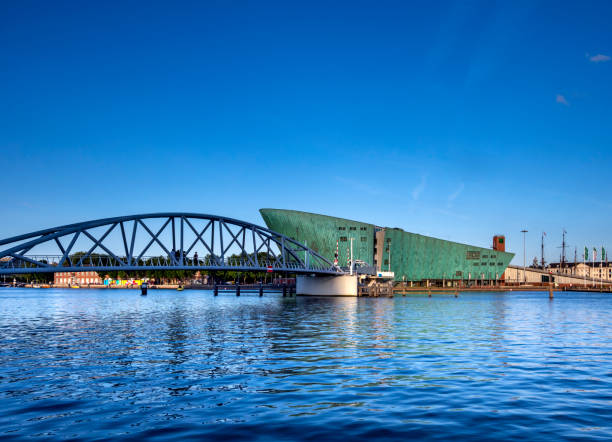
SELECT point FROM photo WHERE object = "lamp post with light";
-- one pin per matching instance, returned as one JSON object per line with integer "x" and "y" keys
{"x": 524, "y": 260}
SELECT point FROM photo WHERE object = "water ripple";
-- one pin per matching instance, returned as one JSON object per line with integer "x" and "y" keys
{"x": 108, "y": 364}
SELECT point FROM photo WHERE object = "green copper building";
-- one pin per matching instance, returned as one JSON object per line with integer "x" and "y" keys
{"x": 410, "y": 256}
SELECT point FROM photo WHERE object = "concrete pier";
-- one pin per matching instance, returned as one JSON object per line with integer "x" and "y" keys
{"x": 345, "y": 285}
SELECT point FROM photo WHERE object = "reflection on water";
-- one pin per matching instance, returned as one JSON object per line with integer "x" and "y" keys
{"x": 102, "y": 364}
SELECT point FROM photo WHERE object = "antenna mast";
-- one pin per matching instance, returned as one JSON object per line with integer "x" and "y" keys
{"x": 542, "y": 262}
{"x": 575, "y": 258}
{"x": 563, "y": 250}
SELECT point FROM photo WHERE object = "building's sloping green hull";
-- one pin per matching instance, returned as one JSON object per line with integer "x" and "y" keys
{"x": 321, "y": 233}
{"x": 413, "y": 257}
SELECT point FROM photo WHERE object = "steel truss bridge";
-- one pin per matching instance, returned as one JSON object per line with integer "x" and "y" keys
{"x": 160, "y": 241}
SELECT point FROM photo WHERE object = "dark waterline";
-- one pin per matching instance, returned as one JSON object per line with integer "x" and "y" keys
{"x": 105, "y": 364}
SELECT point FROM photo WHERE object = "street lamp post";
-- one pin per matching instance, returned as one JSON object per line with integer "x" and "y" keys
{"x": 524, "y": 260}
{"x": 389, "y": 248}
{"x": 351, "y": 268}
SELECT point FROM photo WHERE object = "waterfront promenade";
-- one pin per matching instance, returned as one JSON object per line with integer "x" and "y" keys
{"x": 388, "y": 290}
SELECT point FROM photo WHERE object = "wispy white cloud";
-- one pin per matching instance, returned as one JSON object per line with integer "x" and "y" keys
{"x": 416, "y": 192}
{"x": 453, "y": 196}
{"x": 561, "y": 99}
{"x": 358, "y": 186}
{"x": 599, "y": 58}
{"x": 452, "y": 214}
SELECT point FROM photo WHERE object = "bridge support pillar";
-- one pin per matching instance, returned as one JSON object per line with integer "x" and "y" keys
{"x": 260, "y": 290}
{"x": 284, "y": 291}
{"x": 238, "y": 290}
{"x": 343, "y": 285}
{"x": 216, "y": 290}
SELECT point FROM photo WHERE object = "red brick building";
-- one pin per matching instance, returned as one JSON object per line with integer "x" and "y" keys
{"x": 80, "y": 278}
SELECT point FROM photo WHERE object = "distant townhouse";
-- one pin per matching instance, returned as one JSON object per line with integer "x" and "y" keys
{"x": 80, "y": 278}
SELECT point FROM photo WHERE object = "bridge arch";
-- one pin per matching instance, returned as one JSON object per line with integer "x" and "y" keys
{"x": 159, "y": 241}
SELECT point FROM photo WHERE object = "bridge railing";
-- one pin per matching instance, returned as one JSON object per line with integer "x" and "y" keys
{"x": 155, "y": 262}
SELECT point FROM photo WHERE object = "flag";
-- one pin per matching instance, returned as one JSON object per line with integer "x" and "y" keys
{"x": 336, "y": 254}
{"x": 603, "y": 254}
{"x": 594, "y": 254}
{"x": 586, "y": 253}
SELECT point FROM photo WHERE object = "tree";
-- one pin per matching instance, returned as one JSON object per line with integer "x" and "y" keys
{"x": 535, "y": 264}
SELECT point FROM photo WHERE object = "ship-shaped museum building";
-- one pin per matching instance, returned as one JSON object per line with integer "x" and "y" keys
{"x": 409, "y": 256}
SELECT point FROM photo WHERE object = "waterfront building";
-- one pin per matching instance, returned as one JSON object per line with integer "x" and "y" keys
{"x": 80, "y": 278}
{"x": 598, "y": 270}
{"x": 403, "y": 255}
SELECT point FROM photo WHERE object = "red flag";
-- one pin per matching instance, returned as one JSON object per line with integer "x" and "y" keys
{"x": 336, "y": 255}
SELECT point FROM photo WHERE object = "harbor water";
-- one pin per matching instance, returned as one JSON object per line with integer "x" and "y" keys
{"x": 108, "y": 364}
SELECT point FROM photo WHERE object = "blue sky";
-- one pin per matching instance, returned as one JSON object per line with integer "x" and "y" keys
{"x": 458, "y": 120}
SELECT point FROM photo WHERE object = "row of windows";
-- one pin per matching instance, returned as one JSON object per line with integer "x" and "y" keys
{"x": 487, "y": 256}
{"x": 78, "y": 280}
{"x": 363, "y": 239}
{"x": 491, "y": 264}
{"x": 353, "y": 228}
{"x": 77, "y": 273}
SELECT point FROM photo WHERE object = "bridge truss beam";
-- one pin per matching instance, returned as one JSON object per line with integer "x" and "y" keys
{"x": 228, "y": 244}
